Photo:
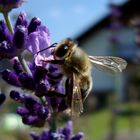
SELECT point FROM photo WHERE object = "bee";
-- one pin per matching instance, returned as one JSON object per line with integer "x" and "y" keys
{"x": 77, "y": 66}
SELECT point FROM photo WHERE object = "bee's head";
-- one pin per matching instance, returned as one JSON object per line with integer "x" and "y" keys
{"x": 64, "y": 49}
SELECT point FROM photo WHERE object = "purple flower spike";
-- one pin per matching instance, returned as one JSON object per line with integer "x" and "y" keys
{"x": 4, "y": 33}
{"x": 12, "y": 45}
{"x": 2, "y": 98}
{"x": 32, "y": 111}
{"x": 21, "y": 20}
{"x": 67, "y": 130}
{"x": 7, "y": 5}
{"x": 60, "y": 134}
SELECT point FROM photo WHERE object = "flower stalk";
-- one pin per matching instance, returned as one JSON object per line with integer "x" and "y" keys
{"x": 8, "y": 22}
{"x": 20, "y": 57}
{"x": 53, "y": 125}
{"x": 24, "y": 64}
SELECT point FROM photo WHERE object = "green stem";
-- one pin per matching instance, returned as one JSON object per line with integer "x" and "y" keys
{"x": 8, "y": 22}
{"x": 20, "y": 57}
{"x": 53, "y": 125}
{"x": 24, "y": 64}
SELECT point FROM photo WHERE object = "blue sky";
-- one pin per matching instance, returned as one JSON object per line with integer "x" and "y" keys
{"x": 67, "y": 18}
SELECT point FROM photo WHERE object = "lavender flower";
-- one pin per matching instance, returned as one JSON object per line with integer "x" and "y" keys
{"x": 61, "y": 134}
{"x": 136, "y": 24}
{"x": 34, "y": 36}
{"x": 2, "y": 98}
{"x": 44, "y": 80}
{"x": 32, "y": 112}
{"x": 7, "y": 5}
{"x": 115, "y": 25}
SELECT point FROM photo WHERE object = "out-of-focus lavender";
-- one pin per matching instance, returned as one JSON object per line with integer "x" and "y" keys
{"x": 115, "y": 23}
{"x": 60, "y": 134}
{"x": 136, "y": 24}
{"x": 7, "y": 5}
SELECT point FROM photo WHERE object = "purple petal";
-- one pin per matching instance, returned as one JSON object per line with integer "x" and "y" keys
{"x": 35, "y": 22}
{"x": 39, "y": 40}
{"x": 21, "y": 20}
{"x": 22, "y": 111}
{"x": 20, "y": 36}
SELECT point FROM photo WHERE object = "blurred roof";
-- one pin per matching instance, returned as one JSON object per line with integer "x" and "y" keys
{"x": 128, "y": 10}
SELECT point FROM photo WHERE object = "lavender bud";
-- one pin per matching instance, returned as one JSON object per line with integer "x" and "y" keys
{"x": 35, "y": 22}
{"x": 21, "y": 20}
{"x": 27, "y": 81}
{"x": 17, "y": 67}
{"x": 42, "y": 88}
{"x": 20, "y": 36}
{"x": 15, "y": 95}
{"x": 10, "y": 77}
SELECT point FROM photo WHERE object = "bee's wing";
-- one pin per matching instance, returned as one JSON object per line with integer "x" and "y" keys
{"x": 108, "y": 64}
{"x": 77, "y": 103}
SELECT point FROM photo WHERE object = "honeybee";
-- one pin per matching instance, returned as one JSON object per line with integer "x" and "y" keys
{"x": 77, "y": 66}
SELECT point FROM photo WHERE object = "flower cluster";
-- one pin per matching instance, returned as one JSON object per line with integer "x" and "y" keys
{"x": 32, "y": 112}
{"x": 61, "y": 134}
{"x": 44, "y": 82}
{"x": 32, "y": 36}
{"x": 45, "y": 87}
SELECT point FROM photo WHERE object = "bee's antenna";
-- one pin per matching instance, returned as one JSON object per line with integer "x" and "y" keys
{"x": 53, "y": 45}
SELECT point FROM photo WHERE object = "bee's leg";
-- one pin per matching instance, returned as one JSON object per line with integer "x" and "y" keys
{"x": 68, "y": 89}
{"x": 86, "y": 87}
{"x": 54, "y": 61}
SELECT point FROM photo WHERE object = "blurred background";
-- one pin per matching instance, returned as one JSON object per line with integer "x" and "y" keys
{"x": 101, "y": 27}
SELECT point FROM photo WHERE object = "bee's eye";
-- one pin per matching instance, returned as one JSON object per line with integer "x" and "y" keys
{"x": 62, "y": 51}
